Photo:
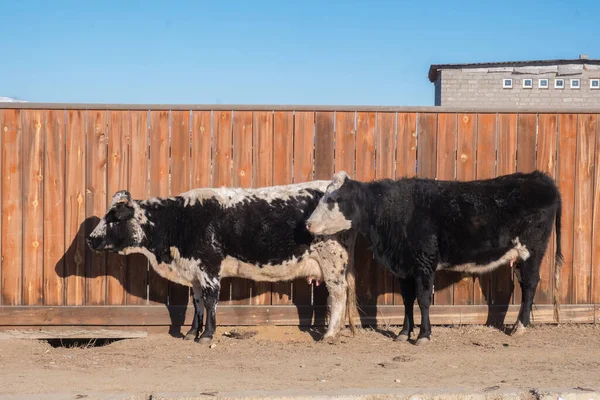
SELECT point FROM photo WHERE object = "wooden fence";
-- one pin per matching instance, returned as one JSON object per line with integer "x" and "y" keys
{"x": 60, "y": 165}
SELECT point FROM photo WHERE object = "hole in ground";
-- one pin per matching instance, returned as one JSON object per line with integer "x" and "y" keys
{"x": 80, "y": 343}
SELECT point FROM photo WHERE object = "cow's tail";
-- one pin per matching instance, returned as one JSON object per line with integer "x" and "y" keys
{"x": 351, "y": 304}
{"x": 559, "y": 260}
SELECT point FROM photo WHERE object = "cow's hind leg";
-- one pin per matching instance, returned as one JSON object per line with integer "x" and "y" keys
{"x": 407, "y": 288}
{"x": 192, "y": 334}
{"x": 424, "y": 291}
{"x": 528, "y": 274}
{"x": 210, "y": 296}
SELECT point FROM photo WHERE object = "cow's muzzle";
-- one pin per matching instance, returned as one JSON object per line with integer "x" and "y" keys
{"x": 96, "y": 243}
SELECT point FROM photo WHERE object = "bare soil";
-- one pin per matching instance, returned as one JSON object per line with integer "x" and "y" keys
{"x": 276, "y": 358}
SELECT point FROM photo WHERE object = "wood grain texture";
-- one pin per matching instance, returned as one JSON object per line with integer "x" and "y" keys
{"x": 567, "y": 155}
{"x": 546, "y": 162}
{"x": 262, "y": 174}
{"x": 137, "y": 264}
{"x": 75, "y": 201}
{"x": 426, "y": 145}
{"x": 54, "y": 208}
{"x": 502, "y": 279}
{"x": 96, "y": 204}
{"x": 201, "y": 149}
{"x": 466, "y": 170}
{"x": 596, "y": 225}
{"x": 584, "y": 182}
{"x": 222, "y": 142}
{"x": 345, "y": 137}
{"x": 158, "y": 287}
{"x": 445, "y": 170}
{"x": 526, "y": 162}
{"x": 283, "y": 153}
{"x": 12, "y": 211}
{"x": 486, "y": 168}
{"x": 304, "y": 164}
{"x": 118, "y": 179}
{"x": 33, "y": 131}
{"x": 324, "y": 169}
{"x": 180, "y": 182}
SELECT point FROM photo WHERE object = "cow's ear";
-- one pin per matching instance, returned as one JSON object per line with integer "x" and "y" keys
{"x": 340, "y": 178}
{"x": 121, "y": 197}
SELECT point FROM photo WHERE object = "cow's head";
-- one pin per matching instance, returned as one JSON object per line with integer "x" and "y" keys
{"x": 121, "y": 227}
{"x": 337, "y": 209}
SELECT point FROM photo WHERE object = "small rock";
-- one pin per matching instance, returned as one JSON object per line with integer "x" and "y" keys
{"x": 397, "y": 381}
{"x": 212, "y": 346}
{"x": 302, "y": 366}
{"x": 323, "y": 380}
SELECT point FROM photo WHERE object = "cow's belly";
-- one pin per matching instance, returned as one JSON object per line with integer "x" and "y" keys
{"x": 288, "y": 270}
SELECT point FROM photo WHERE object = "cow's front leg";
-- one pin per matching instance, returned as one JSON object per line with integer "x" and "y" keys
{"x": 210, "y": 296}
{"x": 407, "y": 288}
{"x": 198, "y": 314}
{"x": 424, "y": 289}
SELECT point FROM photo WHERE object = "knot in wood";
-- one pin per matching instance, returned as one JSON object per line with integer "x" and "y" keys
{"x": 40, "y": 177}
{"x": 465, "y": 118}
{"x": 36, "y": 244}
{"x": 242, "y": 172}
{"x": 79, "y": 198}
{"x": 464, "y": 157}
{"x": 6, "y": 129}
{"x": 35, "y": 203}
{"x": 77, "y": 258}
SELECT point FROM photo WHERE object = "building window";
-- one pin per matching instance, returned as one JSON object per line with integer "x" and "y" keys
{"x": 527, "y": 83}
{"x": 594, "y": 83}
{"x": 559, "y": 84}
{"x": 543, "y": 83}
{"x": 507, "y": 83}
{"x": 575, "y": 83}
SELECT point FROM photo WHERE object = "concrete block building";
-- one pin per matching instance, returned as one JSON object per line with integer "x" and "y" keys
{"x": 569, "y": 83}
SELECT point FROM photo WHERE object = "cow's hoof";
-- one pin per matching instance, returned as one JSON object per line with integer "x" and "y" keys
{"x": 402, "y": 337}
{"x": 422, "y": 341}
{"x": 203, "y": 340}
{"x": 518, "y": 330}
{"x": 190, "y": 336}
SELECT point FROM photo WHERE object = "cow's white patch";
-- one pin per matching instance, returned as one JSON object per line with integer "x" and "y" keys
{"x": 99, "y": 230}
{"x": 229, "y": 197}
{"x": 519, "y": 251}
{"x": 327, "y": 219}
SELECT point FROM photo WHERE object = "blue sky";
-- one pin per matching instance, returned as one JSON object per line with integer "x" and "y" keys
{"x": 271, "y": 52}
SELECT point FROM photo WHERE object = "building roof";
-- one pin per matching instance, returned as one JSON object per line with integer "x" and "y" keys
{"x": 435, "y": 68}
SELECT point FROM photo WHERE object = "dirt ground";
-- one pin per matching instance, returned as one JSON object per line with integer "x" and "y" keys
{"x": 275, "y": 358}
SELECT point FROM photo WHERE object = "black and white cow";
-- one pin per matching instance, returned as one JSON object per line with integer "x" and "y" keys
{"x": 417, "y": 226}
{"x": 203, "y": 235}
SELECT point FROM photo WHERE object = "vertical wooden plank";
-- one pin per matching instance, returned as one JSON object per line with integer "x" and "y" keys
{"x": 567, "y": 155}
{"x": 427, "y": 145}
{"x": 344, "y": 142}
{"x": 12, "y": 211}
{"x": 324, "y": 169}
{"x": 406, "y": 158}
{"x": 262, "y": 172}
{"x": 158, "y": 290}
{"x": 370, "y": 142}
{"x": 222, "y": 142}
{"x": 283, "y": 153}
{"x": 242, "y": 177}
{"x": 304, "y": 160}
{"x": 33, "y": 206}
{"x": 137, "y": 264}
{"x": 180, "y": 182}
{"x": 486, "y": 168}
{"x": 54, "y": 208}
{"x": 526, "y": 160}
{"x": 546, "y": 153}
{"x": 96, "y": 190}
{"x": 584, "y": 182}
{"x": 201, "y": 151}
{"x": 118, "y": 138}
{"x": 445, "y": 170}
{"x": 466, "y": 170}
{"x": 502, "y": 279}
{"x": 596, "y": 225}
{"x": 75, "y": 199}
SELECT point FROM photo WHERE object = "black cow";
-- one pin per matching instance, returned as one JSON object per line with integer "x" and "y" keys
{"x": 203, "y": 235}
{"x": 416, "y": 226}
